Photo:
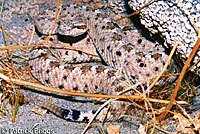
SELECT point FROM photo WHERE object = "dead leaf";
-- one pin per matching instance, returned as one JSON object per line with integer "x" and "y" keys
{"x": 141, "y": 129}
{"x": 184, "y": 125}
{"x": 113, "y": 129}
{"x": 39, "y": 111}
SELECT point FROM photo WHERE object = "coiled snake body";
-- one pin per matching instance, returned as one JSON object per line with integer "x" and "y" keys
{"x": 120, "y": 60}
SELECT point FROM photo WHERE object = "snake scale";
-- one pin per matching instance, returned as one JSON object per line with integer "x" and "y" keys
{"x": 119, "y": 60}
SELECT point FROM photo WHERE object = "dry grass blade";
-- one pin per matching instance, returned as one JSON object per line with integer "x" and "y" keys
{"x": 177, "y": 114}
{"x": 132, "y": 87}
{"x": 191, "y": 19}
{"x": 194, "y": 64}
{"x": 96, "y": 113}
{"x": 111, "y": 100}
{"x": 15, "y": 48}
{"x": 54, "y": 23}
{"x": 4, "y": 30}
{"x": 157, "y": 78}
{"x": 183, "y": 71}
{"x": 134, "y": 12}
{"x": 69, "y": 92}
{"x": 166, "y": 101}
{"x": 196, "y": 46}
{"x": 4, "y": 35}
{"x": 2, "y": 6}
{"x": 162, "y": 130}
{"x": 165, "y": 66}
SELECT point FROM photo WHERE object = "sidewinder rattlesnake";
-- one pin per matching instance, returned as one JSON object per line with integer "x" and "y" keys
{"x": 119, "y": 59}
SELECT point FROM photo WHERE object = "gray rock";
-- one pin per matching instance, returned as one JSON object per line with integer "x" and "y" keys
{"x": 171, "y": 20}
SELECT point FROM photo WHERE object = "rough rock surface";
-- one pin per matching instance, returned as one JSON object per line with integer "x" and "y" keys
{"x": 171, "y": 20}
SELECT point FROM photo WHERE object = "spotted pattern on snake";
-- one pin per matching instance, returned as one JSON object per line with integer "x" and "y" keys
{"x": 120, "y": 60}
